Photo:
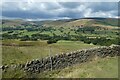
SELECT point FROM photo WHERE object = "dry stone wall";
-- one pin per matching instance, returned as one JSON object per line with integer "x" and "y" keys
{"x": 68, "y": 59}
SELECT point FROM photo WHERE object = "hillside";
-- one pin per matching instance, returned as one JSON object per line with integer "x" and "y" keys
{"x": 101, "y": 22}
{"x": 93, "y": 69}
{"x": 85, "y": 66}
{"x": 26, "y": 41}
{"x": 16, "y": 22}
{"x": 66, "y": 22}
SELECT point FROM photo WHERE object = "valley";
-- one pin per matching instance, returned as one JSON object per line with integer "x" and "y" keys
{"x": 23, "y": 41}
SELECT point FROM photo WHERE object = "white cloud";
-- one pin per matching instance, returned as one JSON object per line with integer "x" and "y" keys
{"x": 57, "y": 10}
{"x": 100, "y": 13}
{"x": 60, "y": 0}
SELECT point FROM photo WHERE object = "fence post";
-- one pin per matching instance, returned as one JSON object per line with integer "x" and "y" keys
{"x": 50, "y": 57}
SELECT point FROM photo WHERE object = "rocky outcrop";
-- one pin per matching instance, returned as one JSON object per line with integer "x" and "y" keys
{"x": 63, "y": 60}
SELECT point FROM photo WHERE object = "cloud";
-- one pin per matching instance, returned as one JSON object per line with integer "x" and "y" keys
{"x": 100, "y": 13}
{"x": 61, "y": 0}
{"x": 103, "y": 6}
{"x": 70, "y": 4}
{"x": 58, "y": 10}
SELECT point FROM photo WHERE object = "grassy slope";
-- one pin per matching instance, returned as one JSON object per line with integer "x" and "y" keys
{"x": 68, "y": 23}
{"x": 92, "y": 22}
{"x": 12, "y": 22}
{"x": 105, "y": 23}
{"x": 99, "y": 68}
{"x": 40, "y": 49}
{"x": 78, "y": 22}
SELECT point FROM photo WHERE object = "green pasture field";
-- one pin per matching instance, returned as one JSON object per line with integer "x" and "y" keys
{"x": 37, "y": 50}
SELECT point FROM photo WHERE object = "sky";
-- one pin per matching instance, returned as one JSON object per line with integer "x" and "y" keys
{"x": 58, "y": 10}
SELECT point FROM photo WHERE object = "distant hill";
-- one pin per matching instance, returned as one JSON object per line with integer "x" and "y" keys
{"x": 66, "y": 22}
{"x": 15, "y": 22}
{"x": 101, "y": 22}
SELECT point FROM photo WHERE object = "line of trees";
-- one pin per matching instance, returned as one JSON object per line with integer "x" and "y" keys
{"x": 53, "y": 39}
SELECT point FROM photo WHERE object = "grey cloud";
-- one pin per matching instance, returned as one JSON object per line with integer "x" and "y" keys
{"x": 51, "y": 5}
{"x": 103, "y": 6}
{"x": 71, "y": 14}
{"x": 52, "y": 10}
{"x": 23, "y": 14}
{"x": 70, "y": 4}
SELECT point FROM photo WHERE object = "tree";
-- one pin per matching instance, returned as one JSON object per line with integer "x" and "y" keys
{"x": 51, "y": 41}
{"x": 25, "y": 38}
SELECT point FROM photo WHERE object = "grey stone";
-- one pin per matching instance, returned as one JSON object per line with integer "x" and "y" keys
{"x": 67, "y": 59}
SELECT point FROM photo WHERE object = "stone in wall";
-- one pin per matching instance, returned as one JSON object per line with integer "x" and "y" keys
{"x": 63, "y": 60}
{"x": 68, "y": 59}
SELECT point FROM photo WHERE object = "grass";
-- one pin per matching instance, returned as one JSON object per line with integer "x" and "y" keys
{"x": 99, "y": 68}
{"x": 38, "y": 50}
{"x": 102, "y": 68}
{"x": 29, "y": 33}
